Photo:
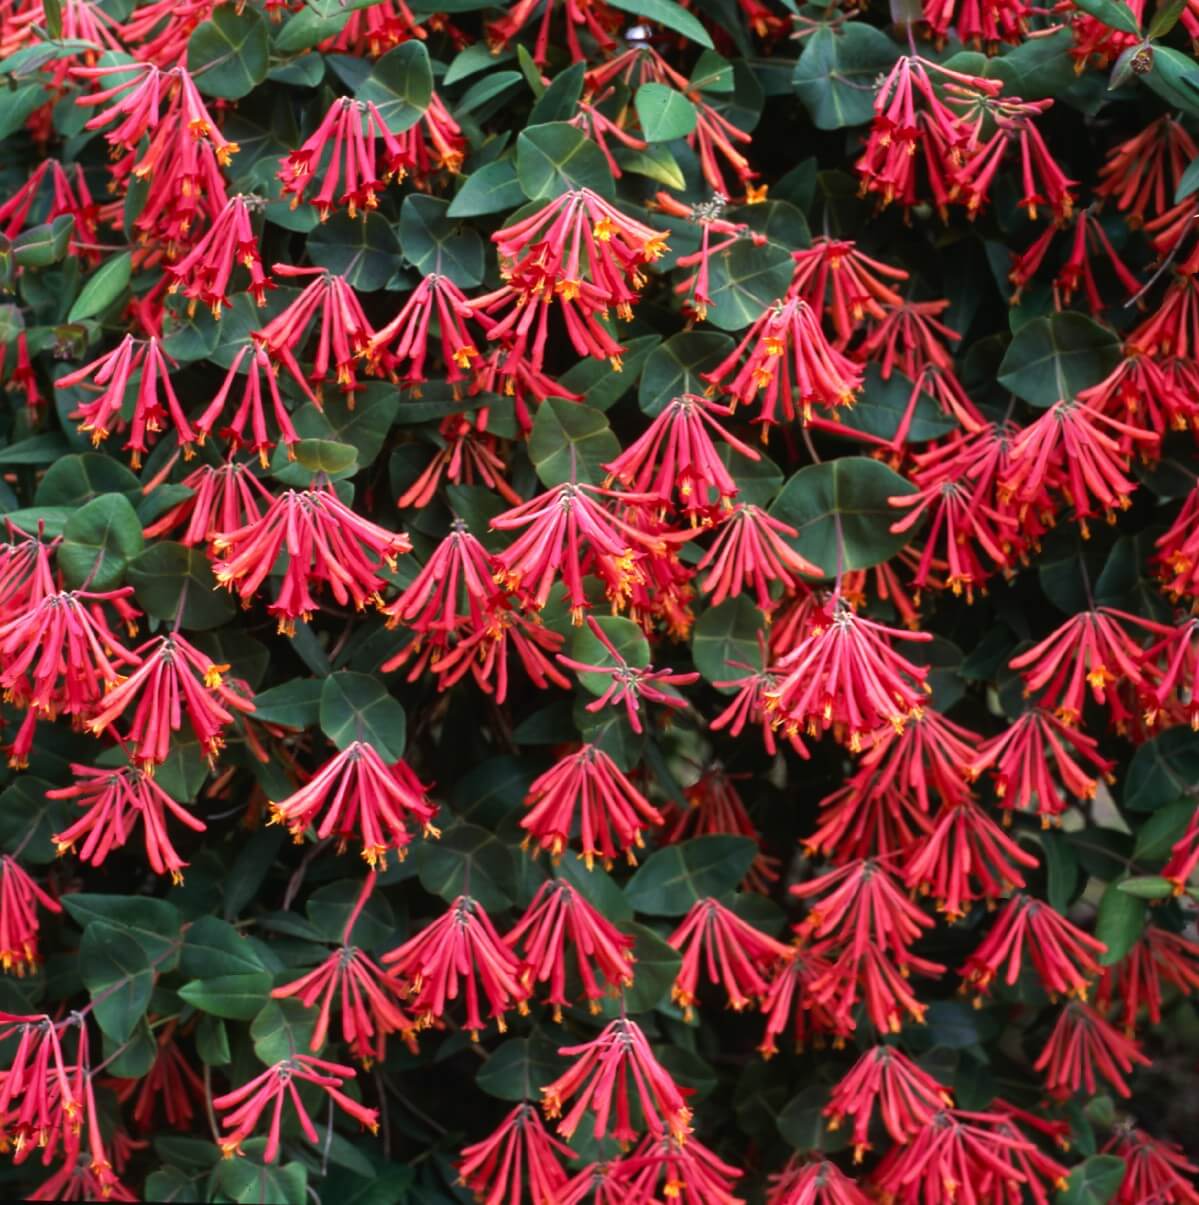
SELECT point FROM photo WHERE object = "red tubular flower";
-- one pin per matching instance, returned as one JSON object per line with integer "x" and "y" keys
{"x": 1078, "y": 451}
{"x": 630, "y": 684}
{"x": 786, "y": 357}
{"x": 844, "y": 284}
{"x": 247, "y": 1103}
{"x": 966, "y": 857}
{"x": 469, "y": 452}
{"x": 688, "y": 1172}
{"x": 708, "y": 216}
{"x": 68, "y": 196}
{"x": 559, "y": 914}
{"x": 251, "y": 410}
{"x": 930, "y": 757}
{"x": 345, "y": 333}
{"x": 461, "y": 950}
{"x": 519, "y": 1152}
{"x": 368, "y": 996}
{"x": 1174, "y": 685}
{"x": 715, "y": 808}
{"x": 453, "y": 590}
{"x": 737, "y": 955}
{"x": 116, "y": 799}
{"x": 1063, "y": 956}
{"x": 171, "y": 1081}
{"x": 327, "y": 544}
{"x": 590, "y": 782}
{"x": 583, "y": 251}
{"x": 788, "y": 1002}
{"x": 205, "y": 271}
{"x": 906, "y": 1097}
{"x": 224, "y": 498}
{"x": 173, "y": 679}
{"x": 1081, "y": 1043}
{"x": 1154, "y": 1170}
{"x": 1037, "y": 761}
{"x": 845, "y": 675}
{"x": 751, "y": 704}
{"x": 1083, "y": 652}
{"x": 873, "y": 923}
{"x": 1142, "y": 173}
{"x": 867, "y": 818}
{"x": 433, "y": 144}
{"x": 816, "y": 1183}
{"x": 596, "y": 19}
{"x": 596, "y": 1184}
{"x": 568, "y": 530}
{"x": 436, "y": 297}
{"x": 750, "y": 551}
{"x": 60, "y": 654}
{"x": 675, "y": 459}
{"x": 600, "y": 1077}
{"x": 365, "y": 799}
{"x": 1184, "y": 857}
{"x": 484, "y": 652}
{"x": 507, "y": 372}
{"x": 1156, "y": 956}
{"x": 37, "y": 1095}
{"x": 977, "y": 23}
{"x": 110, "y": 376}
{"x": 351, "y": 129}
{"x": 20, "y": 898}
{"x": 1177, "y": 558}
{"x": 975, "y": 1154}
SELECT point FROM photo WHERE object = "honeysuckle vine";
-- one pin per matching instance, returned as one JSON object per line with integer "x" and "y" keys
{"x": 598, "y": 601}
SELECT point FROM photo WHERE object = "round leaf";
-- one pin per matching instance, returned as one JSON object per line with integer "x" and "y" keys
{"x": 851, "y": 492}
{"x": 571, "y": 442}
{"x": 664, "y": 114}
{"x": 672, "y": 879}
{"x": 555, "y": 158}
{"x": 227, "y": 55}
{"x": 99, "y": 541}
{"x": 357, "y": 707}
{"x": 160, "y": 575}
{"x": 1051, "y": 359}
{"x": 363, "y": 249}
{"x": 400, "y": 85}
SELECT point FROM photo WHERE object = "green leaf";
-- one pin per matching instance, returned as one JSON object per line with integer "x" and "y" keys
{"x": 725, "y": 634}
{"x": 212, "y": 1042}
{"x": 235, "y": 997}
{"x": 835, "y": 74}
{"x": 677, "y": 366}
{"x": 1162, "y": 831}
{"x": 628, "y": 640}
{"x": 363, "y": 249}
{"x": 744, "y": 280}
{"x": 117, "y": 973}
{"x": 161, "y": 573}
{"x": 599, "y": 384}
{"x": 104, "y": 287}
{"x": 53, "y": 14}
{"x": 1162, "y": 770}
{"x": 1147, "y": 887}
{"x": 571, "y": 442}
{"x": 294, "y": 704}
{"x": 434, "y": 243}
{"x": 251, "y": 1183}
{"x": 672, "y": 879}
{"x": 41, "y": 246}
{"x": 559, "y": 102}
{"x": 357, "y": 707}
{"x": 804, "y": 1125}
{"x": 329, "y": 909}
{"x": 29, "y": 821}
{"x": 712, "y": 73}
{"x": 1097, "y": 1179}
{"x": 468, "y": 860}
{"x": 1166, "y": 17}
{"x": 74, "y": 480}
{"x": 282, "y": 1030}
{"x": 664, "y": 114}
{"x": 213, "y": 947}
{"x": 1188, "y": 182}
{"x": 1054, "y": 358}
{"x": 152, "y": 923}
{"x": 519, "y": 1067}
{"x": 883, "y": 405}
{"x": 654, "y": 971}
{"x": 1119, "y": 923}
{"x": 326, "y": 456}
{"x": 852, "y": 491}
{"x": 1112, "y": 13}
{"x": 492, "y": 189}
{"x": 400, "y": 85}
{"x": 99, "y": 541}
{"x": 228, "y": 54}
{"x": 668, "y": 13}
{"x": 555, "y": 158}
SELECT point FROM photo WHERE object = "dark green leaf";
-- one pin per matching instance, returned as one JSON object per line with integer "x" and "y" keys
{"x": 1162, "y": 770}
{"x": 677, "y": 366}
{"x": 282, "y": 1030}
{"x": 1119, "y": 923}
{"x": 1052, "y": 359}
{"x": 357, "y": 707}
{"x": 468, "y": 860}
{"x": 668, "y": 13}
{"x": 744, "y": 280}
{"x": 104, "y": 287}
{"x": 400, "y": 85}
{"x": 664, "y": 114}
{"x": 41, "y": 246}
{"x": 235, "y": 997}
{"x": 116, "y": 971}
{"x": 161, "y": 573}
{"x": 519, "y": 1067}
{"x": 725, "y": 634}
{"x": 672, "y": 879}
{"x": 835, "y": 74}
{"x": 363, "y": 249}
{"x": 555, "y": 158}
{"x": 153, "y": 924}
{"x": 99, "y": 541}
{"x": 227, "y": 55}
{"x": 571, "y": 442}
{"x": 492, "y": 189}
{"x": 434, "y": 243}
{"x": 1096, "y": 1180}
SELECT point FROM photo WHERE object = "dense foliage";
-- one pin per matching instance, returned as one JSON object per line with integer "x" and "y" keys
{"x": 598, "y": 601}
